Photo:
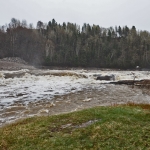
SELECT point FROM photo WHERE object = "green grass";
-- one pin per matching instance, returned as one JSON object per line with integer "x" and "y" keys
{"x": 118, "y": 128}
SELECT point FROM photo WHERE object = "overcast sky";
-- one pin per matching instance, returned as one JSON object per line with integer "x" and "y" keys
{"x": 105, "y": 13}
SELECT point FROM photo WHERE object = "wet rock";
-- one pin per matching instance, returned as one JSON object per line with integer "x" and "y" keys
{"x": 106, "y": 77}
{"x": 126, "y": 82}
{"x": 141, "y": 83}
{"x": 21, "y": 94}
{"x": 96, "y": 75}
{"x": 49, "y": 91}
{"x": 10, "y": 96}
{"x": 73, "y": 88}
{"x": 56, "y": 93}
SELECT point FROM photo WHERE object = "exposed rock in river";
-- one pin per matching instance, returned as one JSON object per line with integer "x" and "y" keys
{"x": 106, "y": 77}
{"x": 141, "y": 83}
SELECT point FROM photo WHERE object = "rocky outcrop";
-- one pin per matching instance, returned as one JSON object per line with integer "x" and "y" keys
{"x": 143, "y": 83}
{"x": 140, "y": 83}
{"x": 106, "y": 77}
{"x": 127, "y": 82}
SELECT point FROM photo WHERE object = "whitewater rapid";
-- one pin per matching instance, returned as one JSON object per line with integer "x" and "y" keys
{"x": 22, "y": 91}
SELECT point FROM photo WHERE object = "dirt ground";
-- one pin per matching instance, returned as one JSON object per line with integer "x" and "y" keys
{"x": 4, "y": 65}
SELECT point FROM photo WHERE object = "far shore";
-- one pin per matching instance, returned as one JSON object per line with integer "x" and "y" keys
{"x": 11, "y": 65}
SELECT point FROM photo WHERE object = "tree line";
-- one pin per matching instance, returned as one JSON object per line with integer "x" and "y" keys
{"x": 70, "y": 45}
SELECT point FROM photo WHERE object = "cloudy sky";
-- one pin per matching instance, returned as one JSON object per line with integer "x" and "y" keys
{"x": 105, "y": 13}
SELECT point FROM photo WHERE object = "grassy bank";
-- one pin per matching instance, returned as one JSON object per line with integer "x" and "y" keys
{"x": 118, "y": 127}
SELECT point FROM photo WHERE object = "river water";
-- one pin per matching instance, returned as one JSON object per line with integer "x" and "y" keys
{"x": 27, "y": 93}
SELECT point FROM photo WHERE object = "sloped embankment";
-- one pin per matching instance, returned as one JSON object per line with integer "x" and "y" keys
{"x": 97, "y": 128}
{"x": 14, "y": 63}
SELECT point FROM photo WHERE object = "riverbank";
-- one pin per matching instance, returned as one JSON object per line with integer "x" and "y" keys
{"x": 115, "y": 127}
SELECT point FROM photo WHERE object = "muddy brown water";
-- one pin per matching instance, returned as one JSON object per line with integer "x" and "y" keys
{"x": 109, "y": 95}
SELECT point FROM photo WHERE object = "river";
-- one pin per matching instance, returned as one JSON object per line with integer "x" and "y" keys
{"x": 26, "y": 93}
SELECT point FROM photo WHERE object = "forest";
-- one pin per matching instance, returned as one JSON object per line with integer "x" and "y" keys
{"x": 69, "y": 45}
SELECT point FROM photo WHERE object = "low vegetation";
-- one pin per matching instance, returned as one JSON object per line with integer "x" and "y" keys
{"x": 115, "y": 127}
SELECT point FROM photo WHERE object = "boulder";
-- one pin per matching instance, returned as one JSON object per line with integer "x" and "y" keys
{"x": 106, "y": 77}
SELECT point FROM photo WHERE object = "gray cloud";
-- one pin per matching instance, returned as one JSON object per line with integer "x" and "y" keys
{"x": 106, "y": 13}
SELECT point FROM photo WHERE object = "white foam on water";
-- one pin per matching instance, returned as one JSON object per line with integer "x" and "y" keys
{"x": 31, "y": 87}
{"x": 34, "y": 88}
{"x": 45, "y": 85}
